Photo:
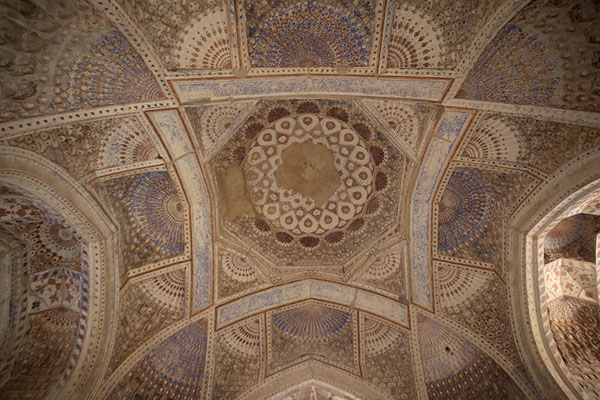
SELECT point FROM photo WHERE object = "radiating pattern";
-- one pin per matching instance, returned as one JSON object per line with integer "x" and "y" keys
{"x": 456, "y": 284}
{"x": 312, "y": 330}
{"x": 151, "y": 215}
{"x": 493, "y": 139}
{"x": 387, "y": 358}
{"x": 575, "y": 325}
{"x": 319, "y": 180}
{"x": 125, "y": 144}
{"x": 250, "y": 234}
{"x": 463, "y": 210}
{"x": 174, "y": 368}
{"x": 530, "y": 63}
{"x": 212, "y": 122}
{"x": 180, "y": 358}
{"x": 44, "y": 276}
{"x": 308, "y": 34}
{"x": 493, "y": 77}
{"x": 415, "y": 41}
{"x": 400, "y": 118}
{"x": 378, "y": 337}
{"x": 244, "y": 338}
{"x": 455, "y": 369}
{"x": 115, "y": 74}
{"x": 159, "y": 301}
{"x": 239, "y": 356}
{"x": 237, "y": 267}
{"x": 205, "y": 42}
{"x": 168, "y": 289}
{"x": 573, "y": 237}
{"x": 292, "y": 210}
{"x": 311, "y": 322}
{"x": 50, "y": 69}
{"x": 477, "y": 300}
{"x": 157, "y": 210}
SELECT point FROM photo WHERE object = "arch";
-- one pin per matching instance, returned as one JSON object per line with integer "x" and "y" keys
{"x": 60, "y": 193}
{"x": 314, "y": 370}
{"x": 568, "y": 188}
{"x": 331, "y": 390}
{"x": 281, "y": 295}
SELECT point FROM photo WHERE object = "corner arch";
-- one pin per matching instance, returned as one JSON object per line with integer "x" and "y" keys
{"x": 59, "y": 192}
{"x": 566, "y": 189}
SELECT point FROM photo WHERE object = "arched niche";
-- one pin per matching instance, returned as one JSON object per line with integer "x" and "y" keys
{"x": 568, "y": 190}
{"x": 52, "y": 188}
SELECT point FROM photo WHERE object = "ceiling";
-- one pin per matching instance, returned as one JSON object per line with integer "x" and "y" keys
{"x": 299, "y": 199}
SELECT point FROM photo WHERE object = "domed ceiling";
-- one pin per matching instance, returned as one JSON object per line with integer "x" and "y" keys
{"x": 252, "y": 199}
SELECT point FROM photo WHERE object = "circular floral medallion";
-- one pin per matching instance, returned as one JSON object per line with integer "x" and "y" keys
{"x": 309, "y": 174}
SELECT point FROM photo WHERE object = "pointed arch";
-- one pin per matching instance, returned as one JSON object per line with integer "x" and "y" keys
{"x": 53, "y": 188}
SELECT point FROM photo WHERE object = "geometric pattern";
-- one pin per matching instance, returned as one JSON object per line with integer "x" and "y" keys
{"x": 493, "y": 79}
{"x": 575, "y": 325}
{"x": 35, "y": 80}
{"x": 169, "y": 25}
{"x": 314, "y": 391}
{"x": 310, "y": 34}
{"x": 464, "y": 210}
{"x": 433, "y": 35}
{"x": 316, "y": 125}
{"x": 52, "y": 334}
{"x": 52, "y": 243}
{"x": 477, "y": 300}
{"x": 455, "y": 369}
{"x": 319, "y": 181}
{"x": 205, "y": 43}
{"x": 167, "y": 290}
{"x": 386, "y": 272}
{"x": 114, "y": 74}
{"x": 240, "y": 352}
{"x": 353, "y": 163}
{"x": 415, "y": 42}
{"x": 493, "y": 139}
{"x": 58, "y": 287}
{"x": 524, "y": 63}
{"x": 152, "y": 217}
{"x": 236, "y": 273}
{"x": 212, "y": 123}
{"x": 73, "y": 146}
{"x": 401, "y": 119}
{"x": 567, "y": 277}
{"x": 159, "y": 301}
{"x": 175, "y": 368}
{"x": 310, "y": 323}
{"x": 544, "y": 145}
{"x": 125, "y": 144}
{"x": 311, "y": 330}
{"x": 56, "y": 70}
{"x": 471, "y": 213}
{"x": 44, "y": 273}
{"x": 573, "y": 237}
{"x": 387, "y": 358}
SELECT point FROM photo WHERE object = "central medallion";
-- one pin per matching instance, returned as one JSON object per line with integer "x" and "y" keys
{"x": 310, "y": 184}
{"x": 308, "y": 174}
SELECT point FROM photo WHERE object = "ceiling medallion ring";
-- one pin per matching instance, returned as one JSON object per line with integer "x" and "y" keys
{"x": 309, "y": 174}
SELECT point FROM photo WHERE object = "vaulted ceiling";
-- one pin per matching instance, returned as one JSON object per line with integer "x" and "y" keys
{"x": 318, "y": 199}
